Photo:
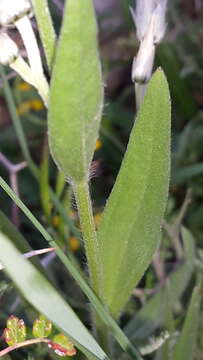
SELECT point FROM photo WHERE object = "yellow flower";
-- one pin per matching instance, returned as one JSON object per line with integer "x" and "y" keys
{"x": 98, "y": 144}
{"x": 25, "y": 106}
{"x": 23, "y": 86}
{"x": 36, "y": 105}
{"x": 74, "y": 243}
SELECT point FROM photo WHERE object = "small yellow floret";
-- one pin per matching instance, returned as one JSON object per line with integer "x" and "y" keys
{"x": 98, "y": 144}
{"x": 23, "y": 86}
{"x": 36, "y": 105}
{"x": 74, "y": 243}
{"x": 25, "y": 106}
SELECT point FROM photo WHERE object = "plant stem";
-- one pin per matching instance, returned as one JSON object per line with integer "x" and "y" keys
{"x": 103, "y": 334}
{"x": 34, "y": 253}
{"x": 119, "y": 335}
{"x": 22, "y": 344}
{"x": 83, "y": 201}
{"x": 46, "y": 29}
{"x": 140, "y": 90}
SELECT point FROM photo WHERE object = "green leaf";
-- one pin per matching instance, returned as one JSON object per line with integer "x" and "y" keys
{"x": 40, "y": 293}
{"x": 42, "y": 327}
{"x": 185, "y": 348}
{"x": 130, "y": 227}
{"x": 76, "y": 95}
{"x": 153, "y": 314}
{"x": 15, "y": 331}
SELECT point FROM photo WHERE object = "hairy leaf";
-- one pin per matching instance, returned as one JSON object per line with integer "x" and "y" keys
{"x": 76, "y": 94}
{"x": 130, "y": 227}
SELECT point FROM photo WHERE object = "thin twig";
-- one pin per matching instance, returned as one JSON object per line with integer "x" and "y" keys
{"x": 142, "y": 293}
{"x": 34, "y": 253}
{"x": 22, "y": 344}
{"x": 183, "y": 210}
{"x": 13, "y": 168}
{"x": 173, "y": 230}
{"x": 158, "y": 265}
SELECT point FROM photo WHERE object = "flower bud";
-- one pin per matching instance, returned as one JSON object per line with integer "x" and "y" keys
{"x": 143, "y": 63}
{"x": 12, "y": 10}
{"x": 8, "y": 49}
{"x": 147, "y": 11}
{"x": 16, "y": 12}
{"x": 149, "y": 18}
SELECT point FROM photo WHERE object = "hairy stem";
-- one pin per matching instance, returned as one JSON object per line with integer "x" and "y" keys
{"x": 83, "y": 201}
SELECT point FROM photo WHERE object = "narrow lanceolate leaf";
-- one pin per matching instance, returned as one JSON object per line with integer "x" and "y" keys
{"x": 41, "y": 294}
{"x": 186, "y": 346}
{"x": 76, "y": 95}
{"x": 130, "y": 227}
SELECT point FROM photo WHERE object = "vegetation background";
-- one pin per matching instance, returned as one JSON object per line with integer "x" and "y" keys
{"x": 181, "y": 56}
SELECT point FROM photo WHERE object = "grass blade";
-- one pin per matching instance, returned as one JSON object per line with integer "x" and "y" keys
{"x": 185, "y": 348}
